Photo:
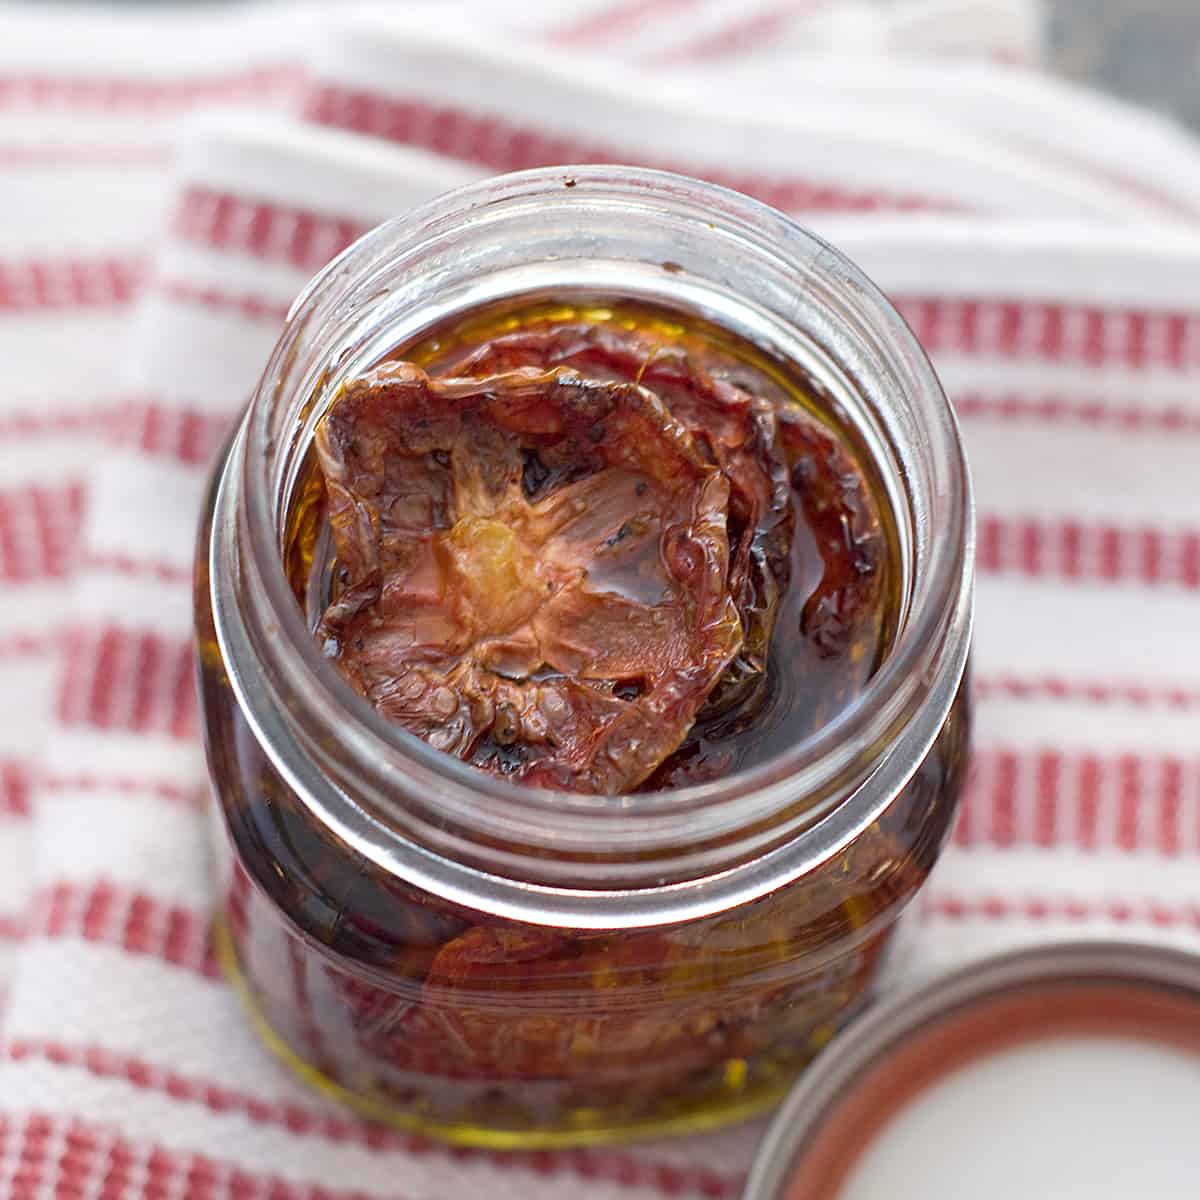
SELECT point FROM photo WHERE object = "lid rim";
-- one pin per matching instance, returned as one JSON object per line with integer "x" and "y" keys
{"x": 1084, "y": 960}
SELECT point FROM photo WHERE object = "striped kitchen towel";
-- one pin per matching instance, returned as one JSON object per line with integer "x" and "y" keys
{"x": 168, "y": 182}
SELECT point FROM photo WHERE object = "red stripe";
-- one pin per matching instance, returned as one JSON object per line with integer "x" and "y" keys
{"x": 23, "y": 645}
{"x": 1002, "y": 821}
{"x": 1152, "y": 556}
{"x": 1170, "y": 813}
{"x": 183, "y": 716}
{"x": 59, "y": 420}
{"x": 125, "y": 784}
{"x": 147, "y": 667}
{"x": 109, "y": 93}
{"x": 1109, "y": 544}
{"x": 1190, "y": 566}
{"x": 39, "y": 527}
{"x": 618, "y": 19}
{"x": 245, "y": 304}
{"x": 1128, "y": 802}
{"x": 1045, "y": 908}
{"x": 1074, "y": 550}
{"x": 1084, "y": 334}
{"x": 122, "y": 564}
{"x": 1090, "y": 782}
{"x": 68, "y": 1159}
{"x": 1085, "y": 691}
{"x": 494, "y": 142}
{"x": 731, "y": 40}
{"x": 128, "y": 680}
{"x": 14, "y": 788}
{"x": 87, "y": 1160}
{"x": 744, "y": 34}
{"x": 272, "y": 232}
{"x": 55, "y": 284}
{"x": 962, "y": 833}
{"x": 987, "y": 547}
{"x": 130, "y": 920}
{"x": 1056, "y": 410}
{"x": 612, "y": 1166}
{"x": 152, "y": 157}
{"x": 1045, "y": 831}
{"x": 1030, "y": 547}
{"x": 216, "y": 1097}
{"x": 102, "y": 687}
{"x": 182, "y": 433}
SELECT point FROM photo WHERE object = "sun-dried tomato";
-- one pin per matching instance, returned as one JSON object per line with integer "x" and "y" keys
{"x": 843, "y": 617}
{"x": 533, "y": 569}
{"x": 498, "y": 995}
{"x": 736, "y": 429}
{"x": 540, "y": 1003}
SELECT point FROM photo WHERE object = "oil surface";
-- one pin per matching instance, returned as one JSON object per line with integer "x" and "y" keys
{"x": 840, "y": 574}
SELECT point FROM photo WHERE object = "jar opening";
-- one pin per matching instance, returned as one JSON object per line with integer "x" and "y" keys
{"x": 641, "y": 236}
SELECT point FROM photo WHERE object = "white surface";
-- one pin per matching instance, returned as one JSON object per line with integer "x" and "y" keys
{"x": 1088, "y": 1117}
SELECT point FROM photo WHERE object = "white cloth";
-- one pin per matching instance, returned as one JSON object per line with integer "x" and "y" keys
{"x": 169, "y": 180}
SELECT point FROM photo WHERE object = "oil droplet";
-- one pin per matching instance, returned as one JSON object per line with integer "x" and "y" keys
{"x": 734, "y": 1075}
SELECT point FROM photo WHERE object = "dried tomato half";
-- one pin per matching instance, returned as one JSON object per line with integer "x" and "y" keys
{"x": 735, "y": 427}
{"x": 532, "y": 569}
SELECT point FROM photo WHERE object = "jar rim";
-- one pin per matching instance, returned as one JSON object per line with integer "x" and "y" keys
{"x": 294, "y": 697}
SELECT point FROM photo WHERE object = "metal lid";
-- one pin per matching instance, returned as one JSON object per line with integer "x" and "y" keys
{"x": 1061, "y": 1070}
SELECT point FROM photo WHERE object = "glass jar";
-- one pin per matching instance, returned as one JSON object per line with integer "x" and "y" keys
{"x": 622, "y": 965}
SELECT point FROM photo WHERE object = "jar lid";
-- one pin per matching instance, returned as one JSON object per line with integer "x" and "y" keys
{"x": 1069, "y": 1069}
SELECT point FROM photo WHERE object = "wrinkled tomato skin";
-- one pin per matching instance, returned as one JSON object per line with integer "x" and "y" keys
{"x": 507, "y": 628}
{"x": 597, "y": 556}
